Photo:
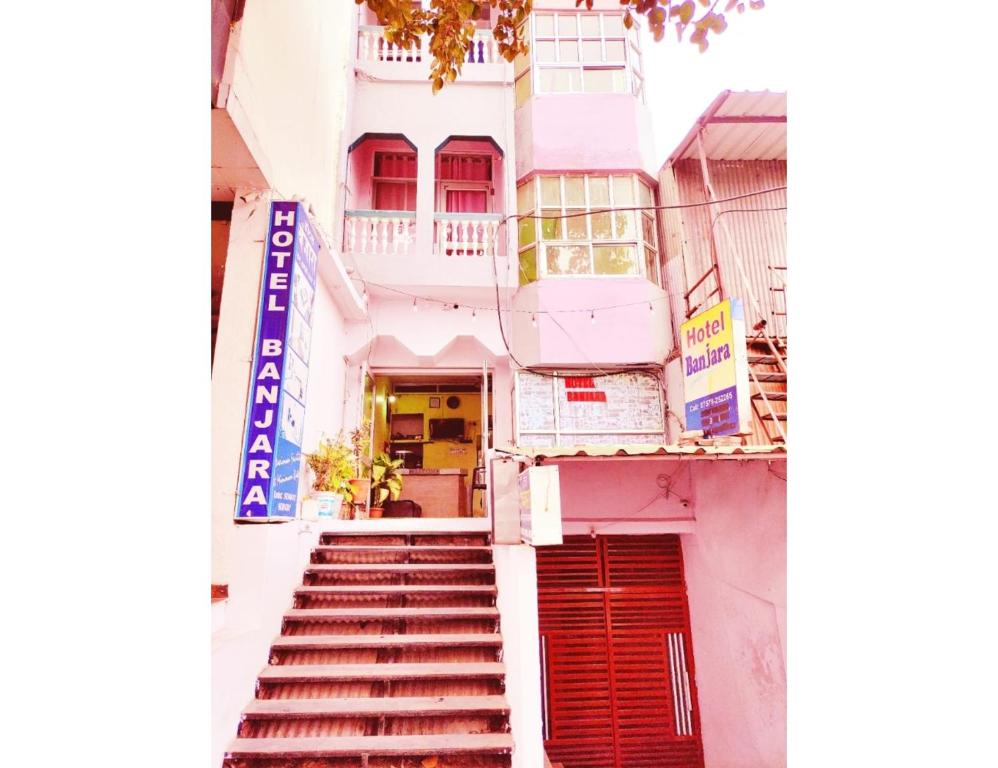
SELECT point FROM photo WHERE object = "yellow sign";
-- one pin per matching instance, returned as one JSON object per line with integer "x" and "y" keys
{"x": 715, "y": 371}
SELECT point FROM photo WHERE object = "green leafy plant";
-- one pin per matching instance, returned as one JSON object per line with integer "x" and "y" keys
{"x": 332, "y": 463}
{"x": 360, "y": 441}
{"x": 386, "y": 479}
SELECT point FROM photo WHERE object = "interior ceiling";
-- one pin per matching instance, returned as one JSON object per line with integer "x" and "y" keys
{"x": 416, "y": 379}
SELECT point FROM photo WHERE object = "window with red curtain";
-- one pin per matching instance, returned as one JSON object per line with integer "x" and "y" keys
{"x": 466, "y": 183}
{"x": 394, "y": 182}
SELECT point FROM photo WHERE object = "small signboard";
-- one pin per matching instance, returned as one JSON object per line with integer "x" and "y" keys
{"x": 540, "y": 506}
{"x": 271, "y": 462}
{"x": 715, "y": 371}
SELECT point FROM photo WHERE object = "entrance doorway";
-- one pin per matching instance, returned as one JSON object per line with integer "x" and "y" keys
{"x": 616, "y": 657}
{"x": 440, "y": 428}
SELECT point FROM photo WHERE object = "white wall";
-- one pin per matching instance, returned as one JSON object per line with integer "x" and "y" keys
{"x": 231, "y": 370}
{"x": 326, "y": 373}
{"x": 516, "y": 578}
{"x": 267, "y": 563}
{"x": 288, "y": 93}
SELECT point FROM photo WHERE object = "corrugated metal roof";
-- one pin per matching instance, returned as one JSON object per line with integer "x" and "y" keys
{"x": 652, "y": 450}
{"x": 745, "y": 125}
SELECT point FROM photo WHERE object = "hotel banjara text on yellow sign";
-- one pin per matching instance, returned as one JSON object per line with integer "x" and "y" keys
{"x": 715, "y": 371}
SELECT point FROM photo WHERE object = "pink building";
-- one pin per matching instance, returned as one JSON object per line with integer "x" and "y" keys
{"x": 480, "y": 282}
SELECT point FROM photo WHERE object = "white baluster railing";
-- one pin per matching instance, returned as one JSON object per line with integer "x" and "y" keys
{"x": 484, "y": 49}
{"x": 466, "y": 234}
{"x": 378, "y": 233}
{"x": 372, "y": 46}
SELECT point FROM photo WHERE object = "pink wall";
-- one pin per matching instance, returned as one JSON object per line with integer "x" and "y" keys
{"x": 593, "y": 132}
{"x": 735, "y": 560}
{"x": 737, "y": 584}
{"x": 624, "y": 334}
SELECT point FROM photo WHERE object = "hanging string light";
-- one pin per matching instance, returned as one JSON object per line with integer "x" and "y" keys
{"x": 592, "y": 316}
{"x": 415, "y": 307}
{"x": 533, "y": 320}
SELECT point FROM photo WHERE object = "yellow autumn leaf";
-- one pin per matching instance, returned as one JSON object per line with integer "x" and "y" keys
{"x": 430, "y": 762}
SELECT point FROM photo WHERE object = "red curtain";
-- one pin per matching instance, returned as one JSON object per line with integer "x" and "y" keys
{"x": 466, "y": 201}
{"x": 465, "y": 168}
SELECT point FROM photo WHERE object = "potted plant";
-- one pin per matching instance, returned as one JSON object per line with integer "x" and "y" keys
{"x": 332, "y": 465}
{"x": 386, "y": 481}
{"x": 360, "y": 441}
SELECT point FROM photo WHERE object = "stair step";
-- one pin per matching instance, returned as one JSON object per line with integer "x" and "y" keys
{"x": 772, "y": 396}
{"x": 298, "y": 673}
{"x": 339, "y": 642}
{"x": 381, "y": 614}
{"x": 769, "y": 417}
{"x": 401, "y": 589}
{"x": 395, "y": 567}
{"x": 395, "y": 745}
{"x": 777, "y": 376}
{"x": 408, "y": 706}
{"x": 763, "y": 360}
{"x": 405, "y": 548}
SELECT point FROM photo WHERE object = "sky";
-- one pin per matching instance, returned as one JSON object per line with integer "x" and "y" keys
{"x": 751, "y": 55}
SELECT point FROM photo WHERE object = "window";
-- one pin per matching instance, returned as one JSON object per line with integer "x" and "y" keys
{"x": 579, "y": 53}
{"x": 575, "y": 228}
{"x": 465, "y": 183}
{"x": 394, "y": 182}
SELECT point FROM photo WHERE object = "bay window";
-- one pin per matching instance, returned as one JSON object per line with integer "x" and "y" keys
{"x": 570, "y": 226}
{"x": 578, "y": 53}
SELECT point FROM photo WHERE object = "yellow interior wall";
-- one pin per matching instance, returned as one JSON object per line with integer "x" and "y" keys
{"x": 441, "y": 454}
{"x": 380, "y": 414}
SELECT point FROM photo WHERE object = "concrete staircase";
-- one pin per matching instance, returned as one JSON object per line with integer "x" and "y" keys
{"x": 390, "y": 657}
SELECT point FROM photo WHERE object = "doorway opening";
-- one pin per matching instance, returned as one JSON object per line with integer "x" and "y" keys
{"x": 440, "y": 428}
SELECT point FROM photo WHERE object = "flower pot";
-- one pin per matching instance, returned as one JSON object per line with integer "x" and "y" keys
{"x": 329, "y": 504}
{"x": 375, "y": 512}
{"x": 361, "y": 489}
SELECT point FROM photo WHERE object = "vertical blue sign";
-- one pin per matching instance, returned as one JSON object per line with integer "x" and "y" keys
{"x": 275, "y": 414}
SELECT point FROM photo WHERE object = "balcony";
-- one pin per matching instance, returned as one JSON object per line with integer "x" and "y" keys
{"x": 468, "y": 234}
{"x": 380, "y": 58}
{"x": 379, "y": 233}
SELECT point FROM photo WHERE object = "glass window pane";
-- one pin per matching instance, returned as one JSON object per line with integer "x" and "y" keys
{"x": 623, "y": 225}
{"x": 590, "y": 25}
{"x": 648, "y": 229}
{"x": 651, "y": 265}
{"x": 576, "y": 226}
{"x": 602, "y": 229}
{"x": 615, "y": 260}
{"x": 550, "y": 227}
{"x": 599, "y": 191}
{"x": 528, "y": 266}
{"x": 592, "y": 51}
{"x": 544, "y": 51}
{"x": 613, "y": 25}
{"x": 614, "y": 50}
{"x": 525, "y": 197}
{"x": 523, "y": 89}
{"x": 559, "y": 80}
{"x": 644, "y": 193}
{"x": 567, "y": 26}
{"x": 623, "y": 191}
{"x": 575, "y": 190}
{"x": 544, "y": 24}
{"x": 551, "y": 190}
{"x": 605, "y": 81}
{"x": 528, "y": 231}
{"x": 568, "y": 50}
{"x": 568, "y": 260}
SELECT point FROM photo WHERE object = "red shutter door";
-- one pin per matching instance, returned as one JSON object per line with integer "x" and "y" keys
{"x": 617, "y": 665}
